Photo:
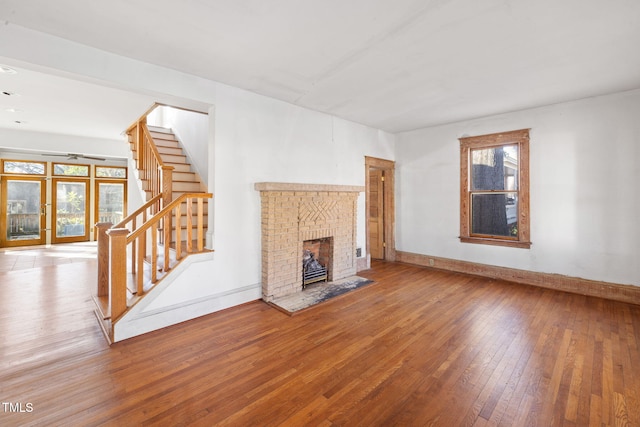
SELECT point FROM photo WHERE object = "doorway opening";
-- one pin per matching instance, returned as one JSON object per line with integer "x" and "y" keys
{"x": 380, "y": 209}
{"x": 49, "y": 202}
{"x": 23, "y": 209}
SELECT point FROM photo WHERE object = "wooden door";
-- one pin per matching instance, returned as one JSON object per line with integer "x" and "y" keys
{"x": 23, "y": 212}
{"x": 110, "y": 201}
{"x": 70, "y": 210}
{"x": 376, "y": 213}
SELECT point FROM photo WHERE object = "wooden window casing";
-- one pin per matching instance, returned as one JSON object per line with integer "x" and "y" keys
{"x": 521, "y": 235}
{"x": 111, "y": 172}
{"x": 30, "y": 167}
{"x": 71, "y": 170}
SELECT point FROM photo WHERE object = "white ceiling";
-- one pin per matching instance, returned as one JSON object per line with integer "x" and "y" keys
{"x": 54, "y": 104}
{"x": 396, "y": 65}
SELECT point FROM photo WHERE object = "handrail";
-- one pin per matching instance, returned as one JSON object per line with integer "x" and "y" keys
{"x": 165, "y": 211}
{"x": 145, "y": 211}
{"x": 155, "y": 199}
{"x": 152, "y": 146}
{"x": 143, "y": 117}
{"x": 146, "y": 237}
{"x": 155, "y": 173}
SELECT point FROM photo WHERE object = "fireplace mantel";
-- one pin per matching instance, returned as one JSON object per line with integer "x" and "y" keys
{"x": 294, "y": 213}
{"x": 288, "y": 186}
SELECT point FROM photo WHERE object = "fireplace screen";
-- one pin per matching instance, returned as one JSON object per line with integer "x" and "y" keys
{"x": 312, "y": 270}
{"x": 316, "y": 255}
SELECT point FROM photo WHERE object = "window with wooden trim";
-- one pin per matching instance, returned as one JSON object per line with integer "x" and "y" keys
{"x": 23, "y": 167}
{"x": 62, "y": 169}
{"x": 494, "y": 189}
{"x": 111, "y": 172}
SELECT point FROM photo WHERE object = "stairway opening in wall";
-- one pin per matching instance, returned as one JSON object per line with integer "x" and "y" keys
{"x": 316, "y": 258}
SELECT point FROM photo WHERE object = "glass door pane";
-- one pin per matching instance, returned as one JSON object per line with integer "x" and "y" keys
{"x": 70, "y": 211}
{"x": 111, "y": 202}
{"x": 24, "y": 212}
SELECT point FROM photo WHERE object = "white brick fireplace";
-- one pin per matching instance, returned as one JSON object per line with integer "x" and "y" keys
{"x": 294, "y": 213}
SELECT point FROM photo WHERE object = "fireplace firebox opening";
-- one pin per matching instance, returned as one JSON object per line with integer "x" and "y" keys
{"x": 316, "y": 259}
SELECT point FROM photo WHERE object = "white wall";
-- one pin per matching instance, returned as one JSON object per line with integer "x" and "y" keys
{"x": 62, "y": 144}
{"x": 585, "y": 158}
{"x": 259, "y": 139}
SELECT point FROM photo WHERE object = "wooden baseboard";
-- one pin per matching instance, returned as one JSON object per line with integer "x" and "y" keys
{"x": 576, "y": 285}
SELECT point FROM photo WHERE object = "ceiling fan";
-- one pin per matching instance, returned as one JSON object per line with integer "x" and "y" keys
{"x": 72, "y": 156}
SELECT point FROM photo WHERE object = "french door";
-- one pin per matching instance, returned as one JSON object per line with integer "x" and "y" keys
{"x": 50, "y": 202}
{"x": 111, "y": 201}
{"x": 70, "y": 210}
{"x": 24, "y": 213}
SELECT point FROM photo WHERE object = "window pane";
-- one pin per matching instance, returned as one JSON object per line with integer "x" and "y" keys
{"x": 106, "y": 172}
{"x": 30, "y": 168}
{"x": 494, "y": 214}
{"x": 495, "y": 168}
{"x": 110, "y": 202}
{"x": 70, "y": 209}
{"x": 23, "y": 210}
{"x": 70, "y": 170}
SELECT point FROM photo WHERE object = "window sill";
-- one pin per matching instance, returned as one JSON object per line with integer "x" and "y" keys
{"x": 496, "y": 242}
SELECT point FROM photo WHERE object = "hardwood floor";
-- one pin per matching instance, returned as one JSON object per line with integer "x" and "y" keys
{"x": 417, "y": 347}
{"x": 22, "y": 258}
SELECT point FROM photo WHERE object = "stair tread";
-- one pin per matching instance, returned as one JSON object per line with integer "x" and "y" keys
{"x": 102, "y": 304}
{"x": 163, "y": 135}
{"x": 176, "y": 163}
{"x": 162, "y": 149}
{"x": 177, "y": 194}
{"x": 159, "y": 129}
{"x": 169, "y": 143}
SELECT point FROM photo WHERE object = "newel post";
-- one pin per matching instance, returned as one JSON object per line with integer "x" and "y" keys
{"x": 118, "y": 291}
{"x": 103, "y": 258}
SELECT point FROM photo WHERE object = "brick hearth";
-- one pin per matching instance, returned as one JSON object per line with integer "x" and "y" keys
{"x": 293, "y": 213}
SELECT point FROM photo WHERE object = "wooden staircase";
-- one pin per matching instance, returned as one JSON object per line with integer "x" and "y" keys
{"x": 184, "y": 179}
{"x": 140, "y": 251}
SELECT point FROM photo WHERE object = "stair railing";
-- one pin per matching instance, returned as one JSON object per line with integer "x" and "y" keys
{"x": 154, "y": 173}
{"x": 141, "y": 233}
{"x": 140, "y": 240}
{"x": 152, "y": 169}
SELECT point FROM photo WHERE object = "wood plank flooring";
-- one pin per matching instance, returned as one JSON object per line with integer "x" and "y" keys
{"x": 417, "y": 347}
{"x": 22, "y": 258}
